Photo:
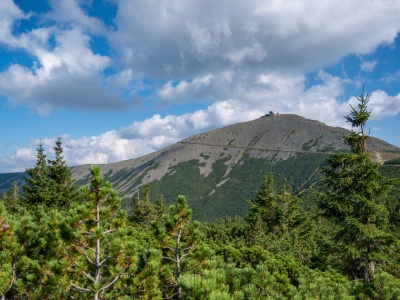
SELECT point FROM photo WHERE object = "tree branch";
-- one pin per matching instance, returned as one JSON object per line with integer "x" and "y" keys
{"x": 13, "y": 278}
{"x": 109, "y": 231}
{"x": 81, "y": 289}
{"x": 88, "y": 276}
{"x": 86, "y": 256}
{"x": 114, "y": 280}
{"x": 103, "y": 261}
{"x": 165, "y": 257}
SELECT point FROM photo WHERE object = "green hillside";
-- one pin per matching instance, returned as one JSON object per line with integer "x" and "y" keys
{"x": 7, "y": 179}
{"x": 230, "y": 197}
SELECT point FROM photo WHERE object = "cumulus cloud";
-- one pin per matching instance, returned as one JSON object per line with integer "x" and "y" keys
{"x": 75, "y": 15}
{"x": 105, "y": 148}
{"x": 384, "y": 105}
{"x": 69, "y": 75}
{"x": 256, "y": 34}
{"x": 185, "y": 90}
{"x": 9, "y": 14}
{"x": 65, "y": 71}
{"x": 197, "y": 50}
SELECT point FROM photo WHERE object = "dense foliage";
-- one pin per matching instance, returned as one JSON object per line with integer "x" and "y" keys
{"x": 58, "y": 242}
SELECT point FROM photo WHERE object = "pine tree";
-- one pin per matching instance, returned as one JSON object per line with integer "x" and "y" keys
{"x": 60, "y": 174}
{"x": 27, "y": 249}
{"x": 40, "y": 271}
{"x": 8, "y": 250}
{"x": 180, "y": 243}
{"x": 101, "y": 252}
{"x": 143, "y": 211}
{"x": 38, "y": 187}
{"x": 352, "y": 200}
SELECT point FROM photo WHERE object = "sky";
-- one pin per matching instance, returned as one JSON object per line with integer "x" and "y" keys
{"x": 118, "y": 79}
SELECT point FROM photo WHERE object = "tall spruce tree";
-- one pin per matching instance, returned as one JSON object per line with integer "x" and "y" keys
{"x": 49, "y": 182}
{"x": 38, "y": 187}
{"x": 271, "y": 211}
{"x": 60, "y": 174}
{"x": 352, "y": 201}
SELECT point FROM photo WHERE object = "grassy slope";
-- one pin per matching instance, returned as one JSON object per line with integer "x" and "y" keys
{"x": 210, "y": 201}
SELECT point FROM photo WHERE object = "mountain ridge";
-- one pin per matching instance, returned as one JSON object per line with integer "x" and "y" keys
{"x": 276, "y": 138}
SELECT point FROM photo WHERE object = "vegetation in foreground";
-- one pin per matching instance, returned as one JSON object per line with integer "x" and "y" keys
{"x": 61, "y": 242}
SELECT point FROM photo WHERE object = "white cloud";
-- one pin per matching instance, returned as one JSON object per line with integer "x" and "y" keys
{"x": 186, "y": 46}
{"x": 368, "y": 66}
{"x": 67, "y": 75}
{"x": 65, "y": 71}
{"x": 10, "y": 13}
{"x": 383, "y": 105}
{"x": 184, "y": 90}
{"x": 255, "y": 52}
{"x": 108, "y": 147}
{"x": 75, "y": 15}
{"x": 105, "y": 148}
{"x": 202, "y": 36}
{"x": 389, "y": 78}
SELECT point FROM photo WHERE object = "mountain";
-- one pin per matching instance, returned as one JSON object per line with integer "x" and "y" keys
{"x": 7, "y": 179}
{"x": 220, "y": 169}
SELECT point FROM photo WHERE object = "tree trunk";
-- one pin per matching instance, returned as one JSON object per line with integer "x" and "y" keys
{"x": 97, "y": 276}
{"x": 178, "y": 262}
{"x": 369, "y": 272}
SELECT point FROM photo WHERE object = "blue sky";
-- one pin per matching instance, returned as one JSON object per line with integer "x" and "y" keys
{"x": 118, "y": 79}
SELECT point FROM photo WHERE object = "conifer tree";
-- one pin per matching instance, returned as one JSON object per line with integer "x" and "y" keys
{"x": 180, "y": 243}
{"x": 101, "y": 253}
{"x": 10, "y": 198}
{"x": 49, "y": 182}
{"x": 262, "y": 211}
{"x": 29, "y": 251}
{"x": 8, "y": 251}
{"x": 60, "y": 174}
{"x": 40, "y": 271}
{"x": 143, "y": 211}
{"x": 160, "y": 207}
{"x": 38, "y": 187}
{"x": 273, "y": 212}
{"x": 352, "y": 200}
